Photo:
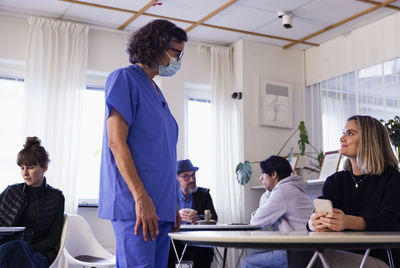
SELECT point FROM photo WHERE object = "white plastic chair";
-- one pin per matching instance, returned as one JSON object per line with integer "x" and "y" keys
{"x": 81, "y": 246}
{"x": 62, "y": 241}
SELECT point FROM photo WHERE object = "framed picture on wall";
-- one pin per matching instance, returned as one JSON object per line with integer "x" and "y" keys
{"x": 275, "y": 104}
{"x": 330, "y": 164}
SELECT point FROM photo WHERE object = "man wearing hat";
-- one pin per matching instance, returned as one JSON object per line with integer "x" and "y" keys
{"x": 192, "y": 202}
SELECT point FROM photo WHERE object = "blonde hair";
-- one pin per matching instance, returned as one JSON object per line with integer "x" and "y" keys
{"x": 374, "y": 153}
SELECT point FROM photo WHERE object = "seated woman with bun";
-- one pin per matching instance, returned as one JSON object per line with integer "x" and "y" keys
{"x": 365, "y": 195}
{"x": 34, "y": 205}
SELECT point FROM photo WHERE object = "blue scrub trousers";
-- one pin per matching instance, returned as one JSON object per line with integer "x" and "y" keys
{"x": 18, "y": 253}
{"x": 133, "y": 252}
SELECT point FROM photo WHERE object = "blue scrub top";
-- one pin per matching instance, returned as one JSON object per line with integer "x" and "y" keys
{"x": 152, "y": 139}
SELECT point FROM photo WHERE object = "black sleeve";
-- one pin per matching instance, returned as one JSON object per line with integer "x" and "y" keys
{"x": 3, "y": 194}
{"x": 388, "y": 217}
{"x": 53, "y": 236}
{"x": 210, "y": 206}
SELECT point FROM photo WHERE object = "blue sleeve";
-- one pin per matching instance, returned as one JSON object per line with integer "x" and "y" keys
{"x": 120, "y": 95}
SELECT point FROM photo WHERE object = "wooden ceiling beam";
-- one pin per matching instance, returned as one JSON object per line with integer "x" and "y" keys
{"x": 224, "y": 6}
{"x": 377, "y": 3}
{"x": 140, "y": 12}
{"x": 186, "y": 21}
{"x": 257, "y": 34}
{"x": 330, "y": 27}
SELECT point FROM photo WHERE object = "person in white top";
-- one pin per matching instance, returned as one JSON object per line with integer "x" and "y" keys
{"x": 283, "y": 207}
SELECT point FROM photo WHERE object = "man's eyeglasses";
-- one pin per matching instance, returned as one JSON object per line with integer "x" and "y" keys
{"x": 180, "y": 55}
{"x": 187, "y": 177}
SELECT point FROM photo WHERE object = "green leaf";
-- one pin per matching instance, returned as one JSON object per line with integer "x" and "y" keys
{"x": 243, "y": 172}
{"x": 303, "y": 138}
{"x": 393, "y": 128}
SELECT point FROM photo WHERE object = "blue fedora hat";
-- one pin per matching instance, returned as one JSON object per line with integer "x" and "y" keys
{"x": 185, "y": 165}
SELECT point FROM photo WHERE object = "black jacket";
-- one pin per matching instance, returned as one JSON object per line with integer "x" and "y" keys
{"x": 39, "y": 210}
{"x": 202, "y": 201}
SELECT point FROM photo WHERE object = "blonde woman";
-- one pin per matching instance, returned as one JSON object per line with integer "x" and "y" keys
{"x": 365, "y": 195}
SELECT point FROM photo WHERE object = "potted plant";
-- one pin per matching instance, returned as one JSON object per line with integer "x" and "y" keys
{"x": 393, "y": 127}
{"x": 244, "y": 170}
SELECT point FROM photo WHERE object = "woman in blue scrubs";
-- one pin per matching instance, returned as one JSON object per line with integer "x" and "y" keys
{"x": 138, "y": 166}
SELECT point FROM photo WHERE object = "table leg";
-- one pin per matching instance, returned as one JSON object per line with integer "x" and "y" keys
{"x": 176, "y": 253}
{"x": 240, "y": 256}
{"x": 217, "y": 257}
{"x": 313, "y": 259}
{"x": 224, "y": 259}
{"x": 390, "y": 257}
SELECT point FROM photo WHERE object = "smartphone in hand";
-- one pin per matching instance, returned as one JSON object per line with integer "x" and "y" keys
{"x": 323, "y": 205}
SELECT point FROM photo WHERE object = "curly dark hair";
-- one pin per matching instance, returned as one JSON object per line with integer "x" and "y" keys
{"x": 33, "y": 154}
{"x": 148, "y": 43}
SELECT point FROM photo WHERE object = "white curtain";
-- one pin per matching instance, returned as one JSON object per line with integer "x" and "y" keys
{"x": 54, "y": 82}
{"x": 227, "y": 141}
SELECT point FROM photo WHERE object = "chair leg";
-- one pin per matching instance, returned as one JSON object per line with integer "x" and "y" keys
{"x": 365, "y": 257}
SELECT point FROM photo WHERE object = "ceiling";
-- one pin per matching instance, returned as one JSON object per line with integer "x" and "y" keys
{"x": 221, "y": 21}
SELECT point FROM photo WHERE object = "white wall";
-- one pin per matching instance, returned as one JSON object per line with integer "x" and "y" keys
{"x": 253, "y": 60}
{"x": 371, "y": 44}
{"x": 14, "y": 35}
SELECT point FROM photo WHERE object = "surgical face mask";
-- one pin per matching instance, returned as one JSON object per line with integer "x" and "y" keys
{"x": 171, "y": 69}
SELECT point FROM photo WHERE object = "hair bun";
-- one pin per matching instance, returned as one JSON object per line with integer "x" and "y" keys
{"x": 32, "y": 141}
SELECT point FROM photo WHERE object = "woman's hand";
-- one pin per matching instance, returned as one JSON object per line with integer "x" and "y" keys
{"x": 146, "y": 215}
{"x": 316, "y": 224}
{"x": 336, "y": 221}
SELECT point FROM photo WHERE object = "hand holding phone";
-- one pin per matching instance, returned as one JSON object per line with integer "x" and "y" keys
{"x": 323, "y": 205}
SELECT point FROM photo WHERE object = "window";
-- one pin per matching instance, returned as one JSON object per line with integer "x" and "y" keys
{"x": 11, "y": 139}
{"x": 90, "y": 145}
{"x": 373, "y": 91}
{"x": 198, "y": 131}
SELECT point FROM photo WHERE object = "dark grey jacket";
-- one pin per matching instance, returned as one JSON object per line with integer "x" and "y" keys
{"x": 202, "y": 201}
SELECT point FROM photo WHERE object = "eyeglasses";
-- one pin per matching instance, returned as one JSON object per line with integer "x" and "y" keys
{"x": 187, "y": 177}
{"x": 180, "y": 55}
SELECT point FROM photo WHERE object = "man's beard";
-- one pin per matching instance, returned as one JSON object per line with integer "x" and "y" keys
{"x": 191, "y": 190}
